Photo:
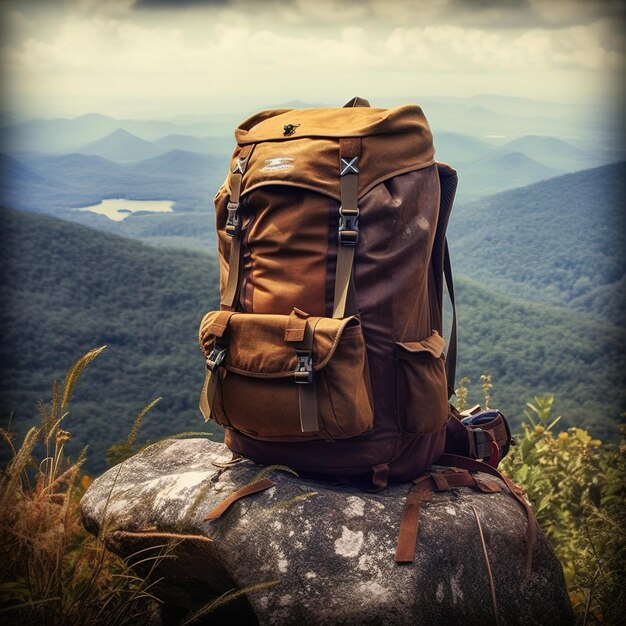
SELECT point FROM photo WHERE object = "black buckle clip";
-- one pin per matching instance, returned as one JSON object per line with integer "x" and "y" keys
{"x": 303, "y": 373}
{"x": 233, "y": 223}
{"x": 214, "y": 360}
{"x": 348, "y": 226}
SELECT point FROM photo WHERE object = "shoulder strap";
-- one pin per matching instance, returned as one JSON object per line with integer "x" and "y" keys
{"x": 348, "y": 234}
{"x": 452, "y": 343}
{"x": 442, "y": 269}
{"x": 233, "y": 229}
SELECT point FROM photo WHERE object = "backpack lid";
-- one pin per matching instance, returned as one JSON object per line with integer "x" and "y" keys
{"x": 300, "y": 147}
{"x": 331, "y": 123}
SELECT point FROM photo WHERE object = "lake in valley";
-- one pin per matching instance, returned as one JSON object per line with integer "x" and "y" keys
{"x": 117, "y": 209}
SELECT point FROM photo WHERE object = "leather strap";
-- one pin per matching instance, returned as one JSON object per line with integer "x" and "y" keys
{"x": 477, "y": 466}
{"x": 422, "y": 491}
{"x": 256, "y": 487}
{"x": 233, "y": 229}
{"x": 349, "y": 153}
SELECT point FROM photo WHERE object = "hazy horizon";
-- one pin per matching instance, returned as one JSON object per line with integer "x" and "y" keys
{"x": 154, "y": 59}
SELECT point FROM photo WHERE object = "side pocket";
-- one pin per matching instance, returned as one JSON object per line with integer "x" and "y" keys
{"x": 422, "y": 391}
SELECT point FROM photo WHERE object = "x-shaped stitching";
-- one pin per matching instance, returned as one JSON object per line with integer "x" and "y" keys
{"x": 349, "y": 166}
{"x": 240, "y": 166}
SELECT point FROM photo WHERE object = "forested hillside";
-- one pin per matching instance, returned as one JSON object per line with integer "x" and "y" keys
{"x": 560, "y": 242}
{"x": 68, "y": 288}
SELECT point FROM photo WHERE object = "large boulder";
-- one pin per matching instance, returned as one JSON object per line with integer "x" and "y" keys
{"x": 314, "y": 552}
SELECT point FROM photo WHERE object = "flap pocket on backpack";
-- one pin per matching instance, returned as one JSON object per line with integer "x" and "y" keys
{"x": 256, "y": 391}
{"x": 422, "y": 389}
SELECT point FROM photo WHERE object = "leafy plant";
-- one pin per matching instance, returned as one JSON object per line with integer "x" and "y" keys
{"x": 576, "y": 486}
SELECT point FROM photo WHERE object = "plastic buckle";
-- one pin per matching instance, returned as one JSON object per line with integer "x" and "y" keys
{"x": 233, "y": 224}
{"x": 214, "y": 360}
{"x": 303, "y": 373}
{"x": 348, "y": 226}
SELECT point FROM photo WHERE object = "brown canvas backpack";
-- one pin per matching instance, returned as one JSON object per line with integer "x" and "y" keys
{"x": 328, "y": 353}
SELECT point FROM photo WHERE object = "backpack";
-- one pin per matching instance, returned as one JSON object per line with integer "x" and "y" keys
{"x": 327, "y": 354}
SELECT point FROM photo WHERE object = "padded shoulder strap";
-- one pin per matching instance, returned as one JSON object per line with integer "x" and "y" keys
{"x": 442, "y": 268}
{"x": 452, "y": 343}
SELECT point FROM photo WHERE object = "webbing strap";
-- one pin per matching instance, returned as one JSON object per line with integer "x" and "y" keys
{"x": 256, "y": 487}
{"x": 452, "y": 344}
{"x": 218, "y": 328}
{"x": 233, "y": 229}
{"x": 207, "y": 395}
{"x": 304, "y": 378}
{"x": 349, "y": 153}
{"x": 456, "y": 460}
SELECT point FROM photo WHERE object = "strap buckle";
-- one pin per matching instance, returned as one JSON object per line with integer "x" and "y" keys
{"x": 233, "y": 223}
{"x": 348, "y": 226}
{"x": 214, "y": 360}
{"x": 303, "y": 374}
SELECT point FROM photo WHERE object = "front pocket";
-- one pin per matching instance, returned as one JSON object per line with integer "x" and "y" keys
{"x": 256, "y": 393}
{"x": 422, "y": 388}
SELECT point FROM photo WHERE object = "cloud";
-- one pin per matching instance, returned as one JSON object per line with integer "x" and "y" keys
{"x": 173, "y": 4}
{"x": 219, "y": 51}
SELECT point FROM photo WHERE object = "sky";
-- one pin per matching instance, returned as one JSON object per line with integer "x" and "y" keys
{"x": 159, "y": 58}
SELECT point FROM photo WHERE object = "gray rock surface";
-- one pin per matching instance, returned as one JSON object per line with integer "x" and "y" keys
{"x": 312, "y": 552}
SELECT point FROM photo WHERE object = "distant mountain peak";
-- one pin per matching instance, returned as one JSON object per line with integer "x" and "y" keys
{"x": 92, "y": 117}
{"x": 121, "y": 146}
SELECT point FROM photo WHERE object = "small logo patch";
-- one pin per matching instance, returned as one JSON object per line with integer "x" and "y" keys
{"x": 280, "y": 163}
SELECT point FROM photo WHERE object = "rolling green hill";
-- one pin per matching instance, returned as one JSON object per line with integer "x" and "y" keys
{"x": 68, "y": 288}
{"x": 560, "y": 242}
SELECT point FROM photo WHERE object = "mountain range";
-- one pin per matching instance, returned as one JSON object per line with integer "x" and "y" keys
{"x": 188, "y": 170}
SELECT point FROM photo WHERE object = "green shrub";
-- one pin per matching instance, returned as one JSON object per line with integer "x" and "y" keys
{"x": 576, "y": 486}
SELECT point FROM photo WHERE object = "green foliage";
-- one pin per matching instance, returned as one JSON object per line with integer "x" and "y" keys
{"x": 531, "y": 349}
{"x": 461, "y": 393}
{"x": 66, "y": 288}
{"x": 576, "y": 486}
{"x": 560, "y": 242}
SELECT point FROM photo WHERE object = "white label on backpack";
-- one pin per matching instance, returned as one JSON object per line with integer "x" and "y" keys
{"x": 281, "y": 163}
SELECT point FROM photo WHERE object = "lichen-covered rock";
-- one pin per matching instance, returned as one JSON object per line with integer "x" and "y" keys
{"x": 312, "y": 552}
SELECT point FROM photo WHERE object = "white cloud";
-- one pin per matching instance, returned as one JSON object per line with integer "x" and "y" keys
{"x": 223, "y": 53}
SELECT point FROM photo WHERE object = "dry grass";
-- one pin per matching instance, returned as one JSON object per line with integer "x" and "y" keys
{"x": 54, "y": 572}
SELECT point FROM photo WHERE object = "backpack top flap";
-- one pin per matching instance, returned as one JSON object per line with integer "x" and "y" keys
{"x": 257, "y": 347}
{"x": 300, "y": 147}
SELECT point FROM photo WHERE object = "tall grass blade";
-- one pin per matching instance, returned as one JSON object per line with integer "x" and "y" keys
{"x": 75, "y": 373}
